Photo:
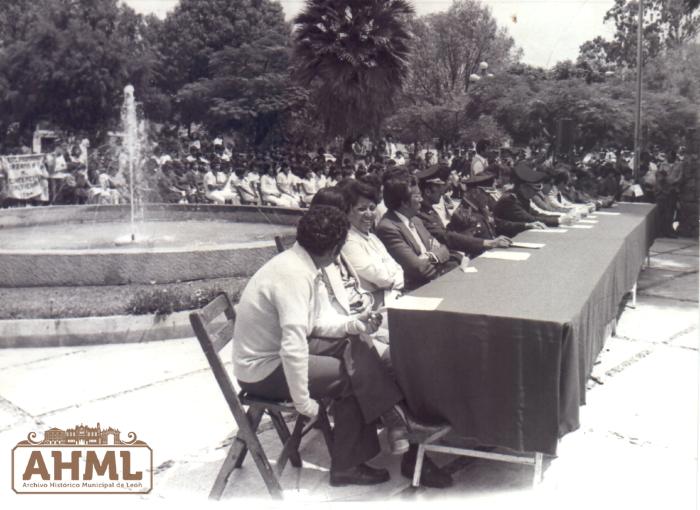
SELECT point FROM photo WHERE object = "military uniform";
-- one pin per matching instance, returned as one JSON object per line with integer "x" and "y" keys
{"x": 475, "y": 215}
{"x": 458, "y": 241}
{"x": 514, "y": 206}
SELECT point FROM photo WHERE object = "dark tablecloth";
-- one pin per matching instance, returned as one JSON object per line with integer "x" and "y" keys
{"x": 506, "y": 355}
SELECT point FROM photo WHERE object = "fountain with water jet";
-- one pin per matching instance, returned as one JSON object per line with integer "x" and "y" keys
{"x": 49, "y": 255}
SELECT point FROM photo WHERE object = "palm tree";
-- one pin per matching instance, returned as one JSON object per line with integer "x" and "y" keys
{"x": 354, "y": 56}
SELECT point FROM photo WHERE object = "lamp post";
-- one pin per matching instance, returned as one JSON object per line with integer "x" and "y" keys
{"x": 638, "y": 106}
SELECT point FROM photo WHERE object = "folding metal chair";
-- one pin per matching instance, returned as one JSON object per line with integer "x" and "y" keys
{"x": 214, "y": 335}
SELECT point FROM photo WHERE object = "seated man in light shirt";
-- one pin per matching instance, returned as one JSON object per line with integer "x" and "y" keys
{"x": 275, "y": 355}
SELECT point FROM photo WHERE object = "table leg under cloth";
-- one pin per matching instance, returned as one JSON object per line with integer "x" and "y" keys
{"x": 429, "y": 445}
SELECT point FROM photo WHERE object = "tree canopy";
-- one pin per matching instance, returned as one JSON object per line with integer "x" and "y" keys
{"x": 68, "y": 61}
{"x": 353, "y": 54}
{"x": 668, "y": 24}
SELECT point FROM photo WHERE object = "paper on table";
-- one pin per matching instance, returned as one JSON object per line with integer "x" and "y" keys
{"x": 580, "y": 226}
{"x": 505, "y": 255}
{"x": 532, "y": 246}
{"x": 415, "y": 303}
{"x": 607, "y": 213}
{"x": 591, "y": 217}
{"x": 592, "y": 222}
{"x": 469, "y": 269}
{"x": 549, "y": 230}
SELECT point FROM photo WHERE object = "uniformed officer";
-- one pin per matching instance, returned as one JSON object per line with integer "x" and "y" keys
{"x": 515, "y": 205}
{"x": 475, "y": 214}
{"x": 432, "y": 186}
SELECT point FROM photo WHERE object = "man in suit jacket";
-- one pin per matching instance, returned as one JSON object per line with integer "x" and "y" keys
{"x": 422, "y": 257}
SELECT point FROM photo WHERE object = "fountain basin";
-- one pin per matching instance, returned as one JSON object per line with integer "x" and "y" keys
{"x": 75, "y": 246}
{"x": 64, "y": 280}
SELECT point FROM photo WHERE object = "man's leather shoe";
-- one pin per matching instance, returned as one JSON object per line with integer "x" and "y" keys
{"x": 430, "y": 475}
{"x": 397, "y": 438}
{"x": 359, "y": 475}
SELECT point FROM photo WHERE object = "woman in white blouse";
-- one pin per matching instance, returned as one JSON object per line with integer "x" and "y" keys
{"x": 378, "y": 272}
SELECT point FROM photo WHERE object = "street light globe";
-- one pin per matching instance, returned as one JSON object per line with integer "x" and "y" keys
{"x": 483, "y": 66}
{"x": 474, "y": 78}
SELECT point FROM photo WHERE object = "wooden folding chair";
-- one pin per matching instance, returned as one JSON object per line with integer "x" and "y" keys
{"x": 214, "y": 335}
{"x": 279, "y": 244}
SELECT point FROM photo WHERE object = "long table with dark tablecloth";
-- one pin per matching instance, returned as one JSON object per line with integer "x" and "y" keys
{"x": 505, "y": 356}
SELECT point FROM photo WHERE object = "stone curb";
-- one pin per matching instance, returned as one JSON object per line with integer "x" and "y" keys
{"x": 93, "y": 330}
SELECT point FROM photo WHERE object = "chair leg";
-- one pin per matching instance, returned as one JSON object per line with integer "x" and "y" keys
{"x": 419, "y": 466}
{"x": 326, "y": 429}
{"x": 227, "y": 468}
{"x": 254, "y": 415}
{"x": 284, "y": 435}
{"x": 291, "y": 445}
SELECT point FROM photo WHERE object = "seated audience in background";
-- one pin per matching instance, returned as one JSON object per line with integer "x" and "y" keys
{"x": 479, "y": 162}
{"x": 270, "y": 192}
{"x": 420, "y": 255}
{"x": 286, "y": 184}
{"x": 308, "y": 186}
{"x": 246, "y": 190}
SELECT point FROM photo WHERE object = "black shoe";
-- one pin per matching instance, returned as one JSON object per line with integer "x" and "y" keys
{"x": 359, "y": 475}
{"x": 430, "y": 474}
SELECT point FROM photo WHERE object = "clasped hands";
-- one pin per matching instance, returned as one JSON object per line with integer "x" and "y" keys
{"x": 370, "y": 320}
{"x": 437, "y": 253}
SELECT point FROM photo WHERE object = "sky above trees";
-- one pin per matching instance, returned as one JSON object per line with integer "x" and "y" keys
{"x": 548, "y": 31}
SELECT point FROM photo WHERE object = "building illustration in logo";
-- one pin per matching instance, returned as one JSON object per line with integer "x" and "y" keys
{"x": 83, "y": 435}
{"x": 82, "y": 460}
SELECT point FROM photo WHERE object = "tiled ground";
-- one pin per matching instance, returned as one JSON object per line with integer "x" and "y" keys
{"x": 636, "y": 446}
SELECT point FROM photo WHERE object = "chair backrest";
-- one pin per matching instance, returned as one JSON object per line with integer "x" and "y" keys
{"x": 214, "y": 336}
{"x": 278, "y": 243}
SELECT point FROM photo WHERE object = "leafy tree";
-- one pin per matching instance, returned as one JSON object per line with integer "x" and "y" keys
{"x": 449, "y": 46}
{"x": 667, "y": 24}
{"x": 250, "y": 89}
{"x": 425, "y": 121}
{"x": 354, "y": 56}
{"x": 197, "y": 29}
{"x": 226, "y": 65}
{"x": 69, "y": 63}
{"x": 678, "y": 72}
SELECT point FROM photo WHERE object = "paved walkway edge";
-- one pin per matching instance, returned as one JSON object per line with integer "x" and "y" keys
{"x": 93, "y": 330}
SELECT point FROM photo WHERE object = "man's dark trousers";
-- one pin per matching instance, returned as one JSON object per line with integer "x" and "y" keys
{"x": 350, "y": 372}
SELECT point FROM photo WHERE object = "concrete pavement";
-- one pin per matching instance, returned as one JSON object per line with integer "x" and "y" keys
{"x": 637, "y": 444}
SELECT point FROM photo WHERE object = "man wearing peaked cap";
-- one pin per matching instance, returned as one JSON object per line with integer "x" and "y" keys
{"x": 527, "y": 174}
{"x": 515, "y": 205}
{"x": 432, "y": 187}
{"x": 475, "y": 215}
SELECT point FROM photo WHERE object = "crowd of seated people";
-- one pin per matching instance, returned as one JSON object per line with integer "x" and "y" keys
{"x": 214, "y": 172}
